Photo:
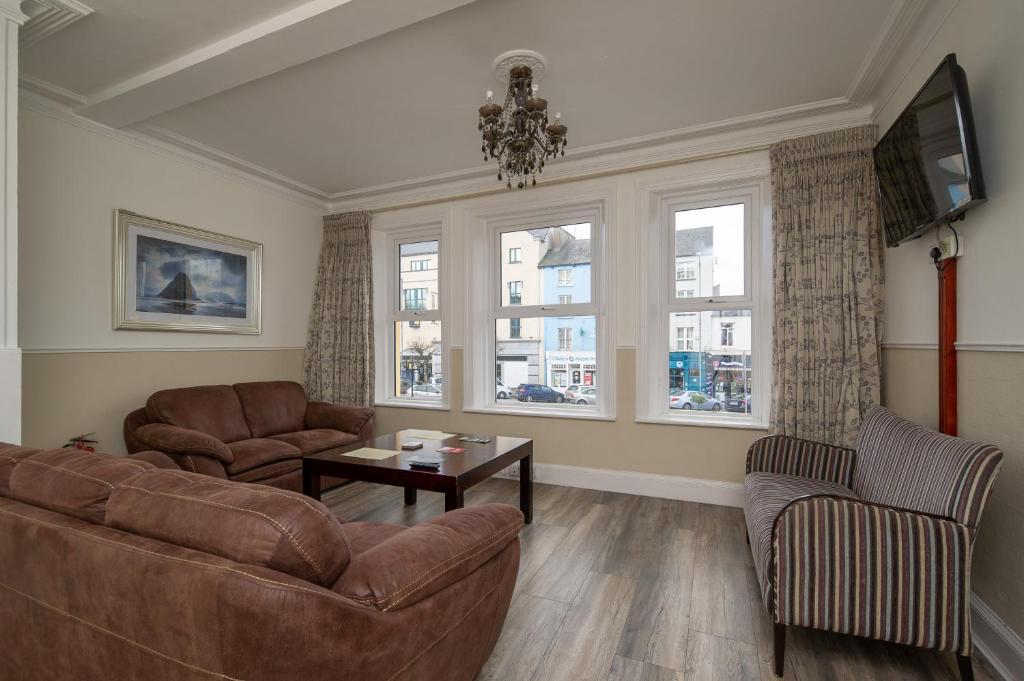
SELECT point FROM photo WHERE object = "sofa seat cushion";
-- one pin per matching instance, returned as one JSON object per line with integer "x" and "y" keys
{"x": 272, "y": 407}
{"x": 765, "y": 495}
{"x": 316, "y": 440}
{"x": 10, "y": 456}
{"x": 251, "y": 524}
{"x": 364, "y": 536}
{"x": 259, "y": 451}
{"x": 211, "y": 409}
{"x": 72, "y": 481}
{"x": 275, "y": 469}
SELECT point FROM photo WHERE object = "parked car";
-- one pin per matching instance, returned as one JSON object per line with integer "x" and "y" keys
{"x": 693, "y": 399}
{"x": 424, "y": 390}
{"x": 740, "y": 404}
{"x": 573, "y": 390}
{"x": 501, "y": 391}
{"x": 567, "y": 388}
{"x": 535, "y": 392}
{"x": 582, "y": 396}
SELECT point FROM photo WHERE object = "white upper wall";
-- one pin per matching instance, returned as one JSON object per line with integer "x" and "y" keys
{"x": 73, "y": 175}
{"x": 985, "y": 35}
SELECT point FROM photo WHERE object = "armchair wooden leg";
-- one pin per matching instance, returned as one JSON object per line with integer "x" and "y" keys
{"x": 966, "y": 670}
{"x": 780, "y": 648}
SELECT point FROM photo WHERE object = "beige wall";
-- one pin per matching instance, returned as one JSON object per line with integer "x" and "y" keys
{"x": 985, "y": 34}
{"x": 695, "y": 451}
{"x": 79, "y": 392}
{"x": 73, "y": 176}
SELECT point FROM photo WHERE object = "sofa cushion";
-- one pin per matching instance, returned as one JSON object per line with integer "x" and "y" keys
{"x": 765, "y": 495}
{"x": 211, "y": 409}
{"x": 10, "y": 455}
{"x": 316, "y": 440}
{"x": 259, "y": 451}
{"x": 272, "y": 407}
{"x": 262, "y": 474}
{"x": 72, "y": 481}
{"x": 902, "y": 464}
{"x": 251, "y": 524}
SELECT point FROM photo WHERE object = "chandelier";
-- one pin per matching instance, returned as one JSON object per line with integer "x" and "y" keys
{"x": 518, "y": 133}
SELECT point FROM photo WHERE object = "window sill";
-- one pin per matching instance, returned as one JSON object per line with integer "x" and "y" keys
{"x": 705, "y": 421}
{"x": 546, "y": 412}
{"x": 410, "y": 404}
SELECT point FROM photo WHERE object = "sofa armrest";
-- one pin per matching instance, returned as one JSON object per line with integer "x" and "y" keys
{"x": 183, "y": 441}
{"x": 158, "y": 459}
{"x": 787, "y": 455}
{"x": 868, "y": 569}
{"x": 423, "y": 560}
{"x": 346, "y": 418}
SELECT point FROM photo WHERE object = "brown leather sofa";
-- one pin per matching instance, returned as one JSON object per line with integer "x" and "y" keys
{"x": 249, "y": 432}
{"x": 112, "y": 568}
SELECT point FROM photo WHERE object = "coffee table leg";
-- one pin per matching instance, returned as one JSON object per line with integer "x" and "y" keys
{"x": 526, "y": 487}
{"x": 410, "y": 496}
{"x": 310, "y": 483}
{"x": 453, "y": 499}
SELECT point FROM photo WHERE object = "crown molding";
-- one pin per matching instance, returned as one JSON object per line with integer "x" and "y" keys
{"x": 56, "y": 93}
{"x": 46, "y": 17}
{"x": 235, "y": 162}
{"x": 11, "y": 9}
{"x": 899, "y": 23}
{"x": 727, "y": 137}
{"x": 194, "y": 154}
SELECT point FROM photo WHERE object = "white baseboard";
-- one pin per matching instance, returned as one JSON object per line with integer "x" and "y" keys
{"x": 1000, "y": 645}
{"x": 643, "y": 484}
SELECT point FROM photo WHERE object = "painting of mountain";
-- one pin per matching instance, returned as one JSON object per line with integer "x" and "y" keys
{"x": 179, "y": 278}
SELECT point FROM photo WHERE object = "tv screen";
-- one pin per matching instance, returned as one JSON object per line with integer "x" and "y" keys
{"x": 927, "y": 163}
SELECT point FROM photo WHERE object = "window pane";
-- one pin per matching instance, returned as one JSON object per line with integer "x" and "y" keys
{"x": 546, "y": 265}
{"x": 709, "y": 361}
{"x": 551, "y": 360}
{"x": 709, "y": 258}
{"x": 417, "y": 276}
{"x": 419, "y": 372}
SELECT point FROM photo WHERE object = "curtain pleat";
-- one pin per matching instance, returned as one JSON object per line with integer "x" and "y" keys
{"x": 828, "y": 285}
{"x": 338, "y": 366}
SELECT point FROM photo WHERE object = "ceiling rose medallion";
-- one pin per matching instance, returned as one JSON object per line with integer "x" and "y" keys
{"x": 518, "y": 133}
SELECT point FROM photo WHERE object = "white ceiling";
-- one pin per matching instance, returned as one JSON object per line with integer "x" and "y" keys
{"x": 343, "y": 95}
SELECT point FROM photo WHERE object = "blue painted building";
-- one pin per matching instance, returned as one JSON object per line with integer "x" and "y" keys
{"x": 570, "y": 343}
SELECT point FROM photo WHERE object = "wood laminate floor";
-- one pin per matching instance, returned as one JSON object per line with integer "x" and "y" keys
{"x": 615, "y": 587}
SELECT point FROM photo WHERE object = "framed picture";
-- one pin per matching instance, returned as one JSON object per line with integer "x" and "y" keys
{"x": 170, "y": 277}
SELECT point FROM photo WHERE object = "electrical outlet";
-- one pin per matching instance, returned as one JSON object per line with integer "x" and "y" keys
{"x": 513, "y": 471}
{"x": 951, "y": 246}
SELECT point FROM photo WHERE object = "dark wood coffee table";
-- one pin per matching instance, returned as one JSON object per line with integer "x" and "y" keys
{"x": 458, "y": 472}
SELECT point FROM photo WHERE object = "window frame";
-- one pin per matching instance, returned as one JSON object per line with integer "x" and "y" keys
{"x": 518, "y": 251}
{"x": 392, "y": 312}
{"x": 659, "y": 299}
{"x": 486, "y": 307}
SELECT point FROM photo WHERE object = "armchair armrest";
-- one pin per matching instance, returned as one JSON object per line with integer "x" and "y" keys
{"x": 867, "y": 569}
{"x": 346, "y": 418}
{"x": 423, "y": 560}
{"x": 787, "y": 455}
{"x": 182, "y": 441}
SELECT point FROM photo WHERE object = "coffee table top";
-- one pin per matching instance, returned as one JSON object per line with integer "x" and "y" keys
{"x": 476, "y": 462}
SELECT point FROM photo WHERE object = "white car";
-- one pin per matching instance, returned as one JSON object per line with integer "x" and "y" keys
{"x": 424, "y": 390}
{"x": 501, "y": 391}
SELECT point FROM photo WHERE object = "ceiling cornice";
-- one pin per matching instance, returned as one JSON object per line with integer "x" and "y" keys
{"x": 212, "y": 160}
{"x": 11, "y": 10}
{"x": 46, "y": 17}
{"x": 722, "y": 138}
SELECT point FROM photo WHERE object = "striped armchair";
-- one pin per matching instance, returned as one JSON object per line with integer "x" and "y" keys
{"x": 872, "y": 542}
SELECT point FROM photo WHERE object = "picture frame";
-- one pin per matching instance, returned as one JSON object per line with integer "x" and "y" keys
{"x": 171, "y": 277}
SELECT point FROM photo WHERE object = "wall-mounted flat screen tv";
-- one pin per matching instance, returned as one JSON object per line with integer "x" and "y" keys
{"x": 927, "y": 163}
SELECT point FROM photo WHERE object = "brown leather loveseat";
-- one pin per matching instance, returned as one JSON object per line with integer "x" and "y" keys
{"x": 112, "y": 568}
{"x": 249, "y": 432}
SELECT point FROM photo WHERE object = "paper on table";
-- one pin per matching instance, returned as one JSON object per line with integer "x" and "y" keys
{"x": 371, "y": 453}
{"x": 427, "y": 434}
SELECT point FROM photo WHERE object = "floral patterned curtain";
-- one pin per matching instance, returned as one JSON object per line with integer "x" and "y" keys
{"x": 338, "y": 364}
{"x": 827, "y": 262}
